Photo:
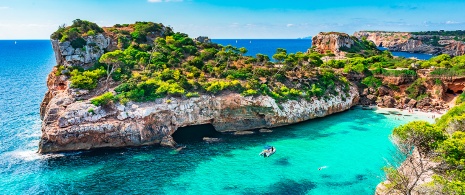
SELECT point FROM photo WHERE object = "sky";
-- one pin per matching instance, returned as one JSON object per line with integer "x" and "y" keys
{"x": 37, "y": 19}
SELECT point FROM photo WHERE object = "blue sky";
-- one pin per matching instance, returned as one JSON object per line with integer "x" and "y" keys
{"x": 37, "y": 19}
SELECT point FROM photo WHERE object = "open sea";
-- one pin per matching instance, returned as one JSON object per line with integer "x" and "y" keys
{"x": 349, "y": 147}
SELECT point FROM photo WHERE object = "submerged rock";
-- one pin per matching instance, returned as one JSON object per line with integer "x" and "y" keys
{"x": 211, "y": 139}
{"x": 265, "y": 130}
{"x": 244, "y": 132}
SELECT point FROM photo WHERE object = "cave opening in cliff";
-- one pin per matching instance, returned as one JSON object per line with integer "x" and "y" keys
{"x": 449, "y": 91}
{"x": 194, "y": 133}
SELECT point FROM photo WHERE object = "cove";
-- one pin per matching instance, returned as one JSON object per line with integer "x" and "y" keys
{"x": 352, "y": 146}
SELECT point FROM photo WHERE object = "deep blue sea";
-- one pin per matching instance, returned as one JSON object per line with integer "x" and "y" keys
{"x": 351, "y": 147}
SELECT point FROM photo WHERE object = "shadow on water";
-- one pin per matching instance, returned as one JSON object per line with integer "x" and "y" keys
{"x": 285, "y": 186}
{"x": 282, "y": 162}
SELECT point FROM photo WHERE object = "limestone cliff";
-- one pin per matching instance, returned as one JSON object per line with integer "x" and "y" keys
{"x": 331, "y": 42}
{"x": 341, "y": 44}
{"x": 77, "y": 125}
{"x": 94, "y": 47}
{"x": 415, "y": 43}
{"x": 71, "y": 122}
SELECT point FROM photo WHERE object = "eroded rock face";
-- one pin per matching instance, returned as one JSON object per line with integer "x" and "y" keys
{"x": 384, "y": 39}
{"x": 404, "y": 41}
{"x": 67, "y": 55}
{"x": 80, "y": 125}
{"x": 332, "y": 42}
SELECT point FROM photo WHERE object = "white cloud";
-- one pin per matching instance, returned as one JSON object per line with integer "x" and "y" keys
{"x": 290, "y": 25}
{"x": 4, "y": 7}
{"x": 160, "y": 1}
{"x": 452, "y": 22}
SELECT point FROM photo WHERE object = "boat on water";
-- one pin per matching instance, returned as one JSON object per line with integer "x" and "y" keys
{"x": 268, "y": 151}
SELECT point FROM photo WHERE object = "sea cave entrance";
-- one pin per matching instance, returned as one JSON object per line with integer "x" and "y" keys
{"x": 194, "y": 133}
{"x": 456, "y": 92}
{"x": 449, "y": 91}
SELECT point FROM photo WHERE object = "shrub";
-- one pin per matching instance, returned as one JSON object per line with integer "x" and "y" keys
{"x": 90, "y": 33}
{"x": 416, "y": 89}
{"x": 87, "y": 79}
{"x": 372, "y": 82}
{"x": 460, "y": 99}
{"x": 78, "y": 43}
{"x": 249, "y": 92}
{"x": 393, "y": 87}
{"x": 192, "y": 94}
{"x": 91, "y": 110}
{"x": 103, "y": 99}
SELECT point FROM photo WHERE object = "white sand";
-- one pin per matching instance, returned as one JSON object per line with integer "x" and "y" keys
{"x": 417, "y": 115}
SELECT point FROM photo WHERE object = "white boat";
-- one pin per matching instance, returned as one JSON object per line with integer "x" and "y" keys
{"x": 268, "y": 151}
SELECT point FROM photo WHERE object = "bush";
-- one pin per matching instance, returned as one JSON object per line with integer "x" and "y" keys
{"x": 372, "y": 82}
{"x": 90, "y": 33}
{"x": 192, "y": 94}
{"x": 217, "y": 86}
{"x": 460, "y": 99}
{"x": 249, "y": 92}
{"x": 416, "y": 89}
{"x": 87, "y": 79}
{"x": 103, "y": 99}
{"x": 78, "y": 43}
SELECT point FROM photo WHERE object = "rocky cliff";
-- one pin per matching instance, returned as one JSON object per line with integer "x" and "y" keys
{"x": 77, "y": 125}
{"x": 415, "y": 43}
{"x": 331, "y": 42}
{"x": 94, "y": 47}
{"x": 71, "y": 122}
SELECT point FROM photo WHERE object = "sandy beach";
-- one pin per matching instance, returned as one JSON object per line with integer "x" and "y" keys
{"x": 416, "y": 114}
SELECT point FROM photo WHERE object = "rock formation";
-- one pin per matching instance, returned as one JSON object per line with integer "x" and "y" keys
{"x": 408, "y": 42}
{"x": 95, "y": 46}
{"x": 78, "y": 125}
{"x": 71, "y": 122}
{"x": 331, "y": 42}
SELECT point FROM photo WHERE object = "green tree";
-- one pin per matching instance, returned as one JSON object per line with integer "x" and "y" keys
{"x": 113, "y": 60}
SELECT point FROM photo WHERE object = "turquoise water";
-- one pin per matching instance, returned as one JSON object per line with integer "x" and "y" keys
{"x": 352, "y": 146}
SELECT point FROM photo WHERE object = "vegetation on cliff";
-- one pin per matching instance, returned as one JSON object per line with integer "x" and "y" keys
{"x": 150, "y": 61}
{"x": 174, "y": 65}
{"x": 76, "y": 32}
{"x": 443, "y": 143}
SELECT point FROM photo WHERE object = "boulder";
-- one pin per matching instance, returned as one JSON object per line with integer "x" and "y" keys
{"x": 365, "y": 92}
{"x": 412, "y": 103}
{"x": 424, "y": 103}
{"x": 406, "y": 100}
{"x": 382, "y": 91}
{"x": 389, "y": 101}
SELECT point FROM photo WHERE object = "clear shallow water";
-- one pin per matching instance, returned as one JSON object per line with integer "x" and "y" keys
{"x": 353, "y": 146}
